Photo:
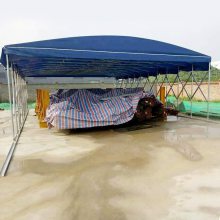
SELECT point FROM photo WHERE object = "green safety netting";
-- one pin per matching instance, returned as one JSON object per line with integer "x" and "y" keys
{"x": 199, "y": 108}
{"x": 6, "y": 106}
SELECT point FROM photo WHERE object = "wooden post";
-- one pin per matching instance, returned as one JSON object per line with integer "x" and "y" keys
{"x": 162, "y": 95}
{"x": 42, "y": 103}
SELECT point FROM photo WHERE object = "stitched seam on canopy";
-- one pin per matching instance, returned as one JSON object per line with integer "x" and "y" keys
{"x": 103, "y": 51}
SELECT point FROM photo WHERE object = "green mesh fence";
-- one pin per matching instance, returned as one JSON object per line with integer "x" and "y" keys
{"x": 6, "y": 106}
{"x": 199, "y": 108}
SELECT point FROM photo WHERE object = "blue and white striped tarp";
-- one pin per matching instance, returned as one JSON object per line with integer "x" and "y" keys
{"x": 81, "y": 108}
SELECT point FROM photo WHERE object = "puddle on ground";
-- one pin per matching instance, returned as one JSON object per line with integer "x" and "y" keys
{"x": 112, "y": 174}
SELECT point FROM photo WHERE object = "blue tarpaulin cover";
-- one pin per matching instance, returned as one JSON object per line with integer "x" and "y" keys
{"x": 101, "y": 56}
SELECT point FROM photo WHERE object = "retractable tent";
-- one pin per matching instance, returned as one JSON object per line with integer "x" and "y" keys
{"x": 117, "y": 57}
{"x": 102, "y": 56}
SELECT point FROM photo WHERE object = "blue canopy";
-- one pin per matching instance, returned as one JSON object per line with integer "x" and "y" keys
{"x": 101, "y": 56}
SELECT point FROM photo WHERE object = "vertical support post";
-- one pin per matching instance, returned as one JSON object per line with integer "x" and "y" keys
{"x": 9, "y": 94}
{"x": 18, "y": 99}
{"x": 166, "y": 93}
{"x": 177, "y": 101}
{"x": 156, "y": 85}
{"x": 14, "y": 100}
{"x": 162, "y": 95}
{"x": 147, "y": 81}
{"x": 121, "y": 83}
{"x": 15, "y": 87}
{"x": 23, "y": 95}
{"x": 138, "y": 82}
{"x": 126, "y": 83}
{"x": 209, "y": 78}
{"x": 42, "y": 102}
{"x": 26, "y": 96}
{"x": 191, "y": 93}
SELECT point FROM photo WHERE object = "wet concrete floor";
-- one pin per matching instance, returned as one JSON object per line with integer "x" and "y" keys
{"x": 169, "y": 171}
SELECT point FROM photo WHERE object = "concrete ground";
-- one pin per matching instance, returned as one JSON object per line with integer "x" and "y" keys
{"x": 170, "y": 171}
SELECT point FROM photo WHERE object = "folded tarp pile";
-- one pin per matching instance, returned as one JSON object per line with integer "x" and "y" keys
{"x": 82, "y": 108}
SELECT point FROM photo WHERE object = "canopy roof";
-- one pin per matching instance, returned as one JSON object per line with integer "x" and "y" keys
{"x": 101, "y": 56}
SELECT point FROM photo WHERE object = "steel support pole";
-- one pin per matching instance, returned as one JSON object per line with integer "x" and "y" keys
{"x": 16, "y": 86}
{"x": 17, "y": 99}
{"x": 11, "y": 151}
{"x": 198, "y": 86}
{"x": 23, "y": 102}
{"x": 209, "y": 78}
{"x": 147, "y": 81}
{"x": 156, "y": 85}
{"x": 9, "y": 94}
{"x": 166, "y": 87}
{"x": 20, "y": 101}
{"x": 23, "y": 95}
{"x": 14, "y": 100}
{"x": 191, "y": 93}
{"x": 26, "y": 95}
{"x": 121, "y": 83}
{"x": 138, "y": 82}
{"x": 184, "y": 85}
{"x": 177, "y": 105}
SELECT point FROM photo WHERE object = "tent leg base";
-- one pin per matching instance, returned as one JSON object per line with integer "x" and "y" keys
{"x": 11, "y": 151}
{"x": 43, "y": 124}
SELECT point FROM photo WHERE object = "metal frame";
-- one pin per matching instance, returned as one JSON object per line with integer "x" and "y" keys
{"x": 193, "y": 81}
{"x": 17, "y": 91}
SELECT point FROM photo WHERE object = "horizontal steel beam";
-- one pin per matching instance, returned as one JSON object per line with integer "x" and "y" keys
{"x": 69, "y": 80}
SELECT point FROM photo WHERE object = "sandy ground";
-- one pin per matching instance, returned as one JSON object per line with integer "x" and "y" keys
{"x": 170, "y": 171}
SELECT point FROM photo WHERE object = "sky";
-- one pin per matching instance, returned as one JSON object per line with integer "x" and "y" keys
{"x": 194, "y": 24}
